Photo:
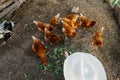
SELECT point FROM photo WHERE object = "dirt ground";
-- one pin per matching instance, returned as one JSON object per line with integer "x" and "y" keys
{"x": 18, "y": 60}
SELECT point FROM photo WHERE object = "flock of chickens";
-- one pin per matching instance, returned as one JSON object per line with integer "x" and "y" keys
{"x": 69, "y": 24}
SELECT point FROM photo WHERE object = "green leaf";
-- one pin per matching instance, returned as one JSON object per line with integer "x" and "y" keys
{"x": 55, "y": 50}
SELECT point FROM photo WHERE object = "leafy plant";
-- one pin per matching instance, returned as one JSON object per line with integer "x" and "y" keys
{"x": 56, "y": 61}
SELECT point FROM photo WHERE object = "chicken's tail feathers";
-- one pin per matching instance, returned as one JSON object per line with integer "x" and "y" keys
{"x": 46, "y": 29}
{"x": 33, "y": 37}
{"x": 81, "y": 14}
{"x": 58, "y": 15}
{"x": 102, "y": 28}
{"x": 35, "y": 22}
{"x": 62, "y": 21}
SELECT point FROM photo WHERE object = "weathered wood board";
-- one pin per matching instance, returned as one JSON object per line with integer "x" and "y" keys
{"x": 7, "y": 6}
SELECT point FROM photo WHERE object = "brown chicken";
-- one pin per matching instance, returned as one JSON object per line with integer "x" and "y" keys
{"x": 73, "y": 17}
{"x": 97, "y": 38}
{"x": 72, "y": 23}
{"x": 68, "y": 30}
{"x": 39, "y": 48}
{"x": 87, "y": 23}
{"x": 55, "y": 20}
{"x": 51, "y": 38}
{"x": 41, "y": 26}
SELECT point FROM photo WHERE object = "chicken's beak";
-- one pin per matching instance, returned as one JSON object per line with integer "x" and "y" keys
{"x": 33, "y": 37}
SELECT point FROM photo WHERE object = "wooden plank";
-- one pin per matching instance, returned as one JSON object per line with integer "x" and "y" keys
{"x": 9, "y": 9}
{"x": 5, "y": 4}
